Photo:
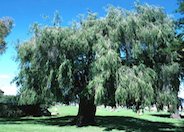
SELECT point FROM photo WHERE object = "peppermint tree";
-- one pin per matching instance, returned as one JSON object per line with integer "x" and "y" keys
{"x": 125, "y": 58}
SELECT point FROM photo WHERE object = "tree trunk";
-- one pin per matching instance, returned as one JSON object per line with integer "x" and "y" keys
{"x": 86, "y": 112}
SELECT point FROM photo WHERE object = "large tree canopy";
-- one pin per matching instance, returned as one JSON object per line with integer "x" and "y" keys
{"x": 5, "y": 28}
{"x": 124, "y": 58}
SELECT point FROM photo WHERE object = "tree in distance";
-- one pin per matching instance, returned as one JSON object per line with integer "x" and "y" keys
{"x": 5, "y": 28}
{"x": 180, "y": 34}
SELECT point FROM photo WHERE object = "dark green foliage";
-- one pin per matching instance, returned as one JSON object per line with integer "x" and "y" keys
{"x": 36, "y": 110}
{"x": 14, "y": 110}
{"x": 8, "y": 106}
{"x": 10, "y": 110}
{"x": 7, "y": 99}
{"x": 126, "y": 57}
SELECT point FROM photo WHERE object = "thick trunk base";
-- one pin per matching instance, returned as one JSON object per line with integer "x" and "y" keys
{"x": 86, "y": 113}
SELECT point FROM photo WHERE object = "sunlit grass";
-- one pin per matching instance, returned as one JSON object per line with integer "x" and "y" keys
{"x": 107, "y": 120}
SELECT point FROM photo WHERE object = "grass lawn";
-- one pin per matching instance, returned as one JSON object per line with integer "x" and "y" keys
{"x": 119, "y": 120}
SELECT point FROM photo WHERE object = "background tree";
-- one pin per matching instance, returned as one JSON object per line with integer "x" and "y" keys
{"x": 180, "y": 33}
{"x": 125, "y": 58}
{"x": 5, "y": 28}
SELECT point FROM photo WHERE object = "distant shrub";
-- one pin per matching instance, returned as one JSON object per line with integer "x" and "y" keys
{"x": 9, "y": 110}
{"x": 34, "y": 110}
{"x": 9, "y": 107}
{"x": 7, "y": 99}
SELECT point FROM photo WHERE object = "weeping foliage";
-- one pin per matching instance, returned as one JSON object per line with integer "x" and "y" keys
{"x": 168, "y": 85}
{"x": 123, "y": 58}
{"x": 135, "y": 84}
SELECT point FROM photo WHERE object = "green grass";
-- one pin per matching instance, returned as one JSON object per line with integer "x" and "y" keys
{"x": 107, "y": 120}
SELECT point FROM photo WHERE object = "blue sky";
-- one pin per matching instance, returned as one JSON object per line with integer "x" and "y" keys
{"x": 26, "y": 12}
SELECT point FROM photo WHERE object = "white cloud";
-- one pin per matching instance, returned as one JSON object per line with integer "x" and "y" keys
{"x": 5, "y": 76}
{"x": 9, "y": 89}
{"x": 181, "y": 94}
{"x": 181, "y": 90}
{"x": 5, "y": 86}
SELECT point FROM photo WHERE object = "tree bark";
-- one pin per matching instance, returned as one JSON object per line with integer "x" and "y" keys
{"x": 86, "y": 112}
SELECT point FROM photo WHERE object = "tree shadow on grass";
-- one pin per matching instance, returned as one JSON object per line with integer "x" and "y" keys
{"x": 130, "y": 124}
{"x": 109, "y": 123}
{"x": 166, "y": 115}
{"x": 60, "y": 121}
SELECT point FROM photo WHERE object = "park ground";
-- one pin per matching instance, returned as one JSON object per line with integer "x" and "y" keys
{"x": 106, "y": 118}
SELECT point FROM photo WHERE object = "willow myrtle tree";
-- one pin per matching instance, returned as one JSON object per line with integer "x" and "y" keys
{"x": 5, "y": 28}
{"x": 124, "y": 58}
